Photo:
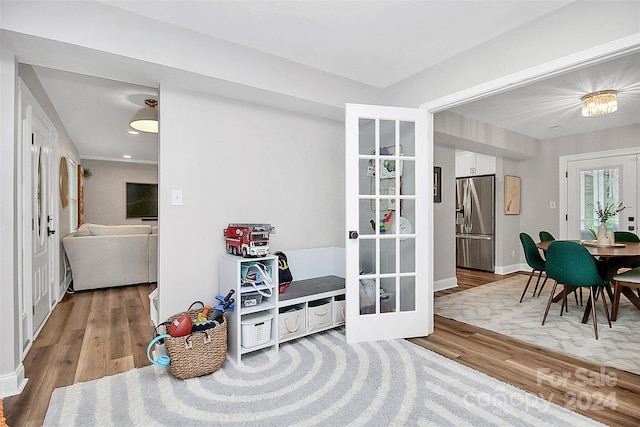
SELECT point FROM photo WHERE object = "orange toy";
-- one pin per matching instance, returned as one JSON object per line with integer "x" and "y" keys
{"x": 202, "y": 317}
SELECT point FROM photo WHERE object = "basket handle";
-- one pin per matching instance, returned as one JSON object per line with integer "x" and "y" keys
{"x": 188, "y": 344}
{"x": 155, "y": 331}
{"x": 286, "y": 323}
{"x": 318, "y": 313}
{"x": 194, "y": 303}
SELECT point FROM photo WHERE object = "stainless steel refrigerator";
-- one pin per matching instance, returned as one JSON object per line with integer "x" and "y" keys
{"x": 475, "y": 222}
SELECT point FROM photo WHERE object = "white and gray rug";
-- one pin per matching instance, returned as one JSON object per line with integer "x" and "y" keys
{"x": 317, "y": 380}
{"x": 495, "y": 307}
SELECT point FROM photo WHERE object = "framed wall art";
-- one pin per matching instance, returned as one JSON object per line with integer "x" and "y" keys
{"x": 511, "y": 195}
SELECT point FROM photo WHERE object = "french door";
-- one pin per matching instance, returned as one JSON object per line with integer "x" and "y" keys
{"x": 389, "y": 210}
{"x": 43, "y": 279}
{"x": 37, "y": 212}
{"x": 602, "y": 180}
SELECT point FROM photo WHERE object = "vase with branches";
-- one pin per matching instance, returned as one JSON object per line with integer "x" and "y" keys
{"x": 609, "y": 211}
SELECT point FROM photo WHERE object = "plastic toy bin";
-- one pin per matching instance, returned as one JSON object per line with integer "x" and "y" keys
{"x": 256, "y": 329}
{"x": 251, "y": 299}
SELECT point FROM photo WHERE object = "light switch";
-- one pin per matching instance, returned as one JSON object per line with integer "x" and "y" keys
{"x": 176, "y": 197}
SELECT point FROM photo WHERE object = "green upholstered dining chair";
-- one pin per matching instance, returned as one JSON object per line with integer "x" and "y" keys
{"x": 545, "y": 236}
{"x": 626, "y": 236}
{"x": 571, "y": 265}
{"x": 534, "y": 260}
{"x": 627, "y": 262}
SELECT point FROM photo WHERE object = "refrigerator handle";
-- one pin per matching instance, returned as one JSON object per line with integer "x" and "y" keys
{"x": 469, "y": 211}
{"x": 460, "y": 216}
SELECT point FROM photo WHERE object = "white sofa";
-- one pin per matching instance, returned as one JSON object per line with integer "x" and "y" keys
{"x": 103, "y": 256}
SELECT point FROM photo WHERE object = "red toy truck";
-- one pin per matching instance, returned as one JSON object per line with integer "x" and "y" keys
{"x": 248, "y": 239}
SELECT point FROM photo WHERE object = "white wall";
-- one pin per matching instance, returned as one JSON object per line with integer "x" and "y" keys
{"x": 240, "y": 162}
{"x": 11, "y": 368}
{"x": 508, "y": 246}
{"x": 444, "y": 221}
{"x": 105, "y": 192}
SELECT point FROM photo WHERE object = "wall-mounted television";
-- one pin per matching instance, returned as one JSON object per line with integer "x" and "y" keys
{"x": 142, "y": 200}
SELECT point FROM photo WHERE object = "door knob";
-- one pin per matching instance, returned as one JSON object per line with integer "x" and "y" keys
{"x": 353, "y": 234}
{"x": 50, "y": 231}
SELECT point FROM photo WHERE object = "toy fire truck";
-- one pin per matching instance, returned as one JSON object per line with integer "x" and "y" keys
{"x": 248, "y": 239}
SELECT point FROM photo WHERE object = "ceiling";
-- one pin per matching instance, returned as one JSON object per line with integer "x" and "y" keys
{"x": 375, "y": 43}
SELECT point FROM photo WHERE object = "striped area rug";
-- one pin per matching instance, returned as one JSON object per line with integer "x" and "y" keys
{"x": 317, "y": 380}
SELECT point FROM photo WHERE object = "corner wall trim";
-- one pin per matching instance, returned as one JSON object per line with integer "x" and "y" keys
{"x": 440, "y": 285}
{"x": 13, "y": 384}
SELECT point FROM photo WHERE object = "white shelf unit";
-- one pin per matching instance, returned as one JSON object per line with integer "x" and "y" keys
{"x": 231, "y": 278}
{"x": 319, "y": 302}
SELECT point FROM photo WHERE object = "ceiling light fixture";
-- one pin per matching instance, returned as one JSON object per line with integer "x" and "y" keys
{"x": 146, "y": 119}
{"x": 599, "y": 103}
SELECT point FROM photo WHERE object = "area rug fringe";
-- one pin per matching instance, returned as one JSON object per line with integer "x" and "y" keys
{"x": 317, "y": 380}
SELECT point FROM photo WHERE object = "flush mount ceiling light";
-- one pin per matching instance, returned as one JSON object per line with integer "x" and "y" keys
{"x": 146, "y": 119}
{"x": 599, "y": 103}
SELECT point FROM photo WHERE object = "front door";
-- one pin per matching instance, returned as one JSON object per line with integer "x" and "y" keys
{"x": 604, "y": 180}
{"x": 389, "y": 206}
{"x": 42, "y": 282}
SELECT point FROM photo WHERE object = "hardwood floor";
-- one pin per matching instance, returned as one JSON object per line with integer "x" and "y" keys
{"x": 88, "y": 336}
{"x": 98, "y": 333}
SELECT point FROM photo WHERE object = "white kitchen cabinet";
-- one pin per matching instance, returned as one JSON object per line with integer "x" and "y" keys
{"x": 471, "y": 164}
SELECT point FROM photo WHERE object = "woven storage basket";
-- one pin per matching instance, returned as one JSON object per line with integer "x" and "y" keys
{"x": 198, "y": 354}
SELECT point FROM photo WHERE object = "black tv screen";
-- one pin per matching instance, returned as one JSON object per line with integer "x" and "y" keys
{"x": 142, "y": 200}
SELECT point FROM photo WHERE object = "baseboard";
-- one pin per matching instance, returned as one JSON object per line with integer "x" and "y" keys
{"x": 513, "y": 268}
{"x": 13, "y": 384}
{"x": 440, "y": 285}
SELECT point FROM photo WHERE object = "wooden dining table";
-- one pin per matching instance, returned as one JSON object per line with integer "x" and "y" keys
{"x": 614, "y": 257}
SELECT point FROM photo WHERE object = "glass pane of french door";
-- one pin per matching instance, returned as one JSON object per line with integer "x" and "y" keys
{"x": 387, "y": 215}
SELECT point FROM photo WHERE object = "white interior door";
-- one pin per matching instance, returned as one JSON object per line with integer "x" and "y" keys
{"x": 389, "y": 211}
{"x": 604, "y": 180}
{"x": 43, "y": 280}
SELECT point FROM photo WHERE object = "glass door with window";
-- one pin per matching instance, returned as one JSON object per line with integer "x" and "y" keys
{"x": 601, "y": 181}
{"x": 389, "y": 203}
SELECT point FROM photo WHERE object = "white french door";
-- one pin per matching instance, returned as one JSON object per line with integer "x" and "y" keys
{"x": 389, "y": 211}
{"x": 43, "y": 279}
{"x": 605, "y": 180}
{"x": 37, "y": 203}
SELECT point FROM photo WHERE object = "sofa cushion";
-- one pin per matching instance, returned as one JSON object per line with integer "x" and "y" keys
{"x": 119, "y": 230}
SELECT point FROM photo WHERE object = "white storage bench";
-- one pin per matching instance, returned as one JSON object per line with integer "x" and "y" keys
{"x": 309, "y": 306}
{"x": 313, "y": 302}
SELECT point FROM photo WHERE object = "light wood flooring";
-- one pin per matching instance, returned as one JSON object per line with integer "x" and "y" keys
{"x": 89, "y": 335}
{"x": 98, "y": 333}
